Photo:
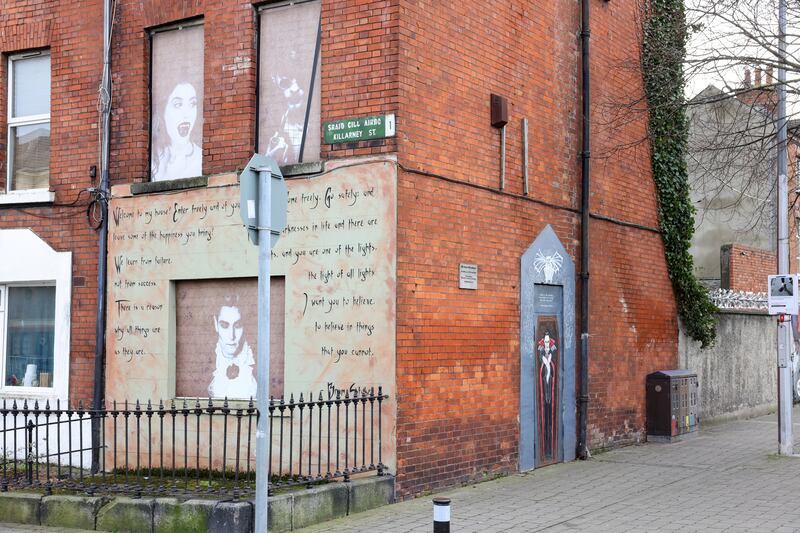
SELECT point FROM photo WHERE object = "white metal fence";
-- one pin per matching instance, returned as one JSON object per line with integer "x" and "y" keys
{"x": 728, "y": 299}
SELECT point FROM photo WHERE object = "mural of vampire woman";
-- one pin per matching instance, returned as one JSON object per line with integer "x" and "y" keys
{"x": 176, "y": 152}
{"x": 547, "y": 384}
{"x": 176, "y": 118}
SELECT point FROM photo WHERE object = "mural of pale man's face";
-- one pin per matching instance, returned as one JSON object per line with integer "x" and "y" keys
{"x": 180, "y": 114}
{"x": 228, "y": 324}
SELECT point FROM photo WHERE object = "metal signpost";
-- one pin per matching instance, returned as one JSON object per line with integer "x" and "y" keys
{"x": 785, "y": 436}
{"x": 782, "y": 298}
{"x": 263, "y": 197}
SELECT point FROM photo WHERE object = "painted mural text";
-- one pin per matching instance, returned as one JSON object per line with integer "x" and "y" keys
{"x": 336, "y": 264}
{"x": 333, "y": 253}
{"x": 175, "y": 213}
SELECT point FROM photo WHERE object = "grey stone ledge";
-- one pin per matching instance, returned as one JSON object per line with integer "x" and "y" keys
{"x": 169, "y": 185}
{"x": 287, "y": 512}
{"x": 78, "y": 512}
{"x": 302, "y": 169}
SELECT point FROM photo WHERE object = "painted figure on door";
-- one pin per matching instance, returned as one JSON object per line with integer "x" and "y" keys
{"x": 547, "y": 377}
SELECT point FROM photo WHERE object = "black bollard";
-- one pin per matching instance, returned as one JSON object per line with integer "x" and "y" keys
{"x": 441, "y": 515}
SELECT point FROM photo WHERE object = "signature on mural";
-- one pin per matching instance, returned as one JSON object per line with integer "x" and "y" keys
{"x": 353, "y": 390}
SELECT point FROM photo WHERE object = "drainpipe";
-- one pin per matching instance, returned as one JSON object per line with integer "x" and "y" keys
{"x": 105, "y": 132}
{"x": 583, "y": 398}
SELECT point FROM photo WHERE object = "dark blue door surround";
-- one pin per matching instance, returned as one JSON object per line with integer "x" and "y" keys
{"x": 547, "y": 353}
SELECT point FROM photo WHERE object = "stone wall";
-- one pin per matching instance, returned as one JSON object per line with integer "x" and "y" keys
{"x": 287, "y": 511}
{"x": 738, "y": 374}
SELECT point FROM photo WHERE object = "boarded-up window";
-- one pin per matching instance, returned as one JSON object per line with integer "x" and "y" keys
{"x": 289, "y": 82}
{"x": 176, "y": 127}
{"x": 217, "y": 335}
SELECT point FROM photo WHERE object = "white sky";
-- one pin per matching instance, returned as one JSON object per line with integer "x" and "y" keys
{"x": 721, "y": 36}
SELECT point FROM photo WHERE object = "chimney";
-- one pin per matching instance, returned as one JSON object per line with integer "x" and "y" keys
{"x": 769, "y": 80}
{"x": 746, "y": 84}
{"x": 758, "y": 76}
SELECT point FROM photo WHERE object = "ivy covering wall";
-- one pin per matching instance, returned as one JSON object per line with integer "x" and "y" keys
{"x": 663, "y": 53}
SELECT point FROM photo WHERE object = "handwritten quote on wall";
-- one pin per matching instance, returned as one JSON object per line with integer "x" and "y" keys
{"x": 337, "y": 255}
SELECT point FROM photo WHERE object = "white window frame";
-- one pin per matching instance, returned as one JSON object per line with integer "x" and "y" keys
{"x": 35, "y": 263}
{"x": 25, "y": 195}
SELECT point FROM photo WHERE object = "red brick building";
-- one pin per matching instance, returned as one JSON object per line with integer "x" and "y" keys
{"x": 50, "y": 70}
{"x": 434, "y": 67}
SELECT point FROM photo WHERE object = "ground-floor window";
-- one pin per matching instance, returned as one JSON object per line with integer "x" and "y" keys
{"x": 35, "y": 302}
{"x": 29, "y": 325}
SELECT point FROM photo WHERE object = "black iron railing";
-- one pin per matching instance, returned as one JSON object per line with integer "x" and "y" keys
{"x": 189, "y": 446}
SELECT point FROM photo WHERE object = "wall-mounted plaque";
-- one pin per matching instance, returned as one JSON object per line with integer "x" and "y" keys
{"x": 467, "y": 276}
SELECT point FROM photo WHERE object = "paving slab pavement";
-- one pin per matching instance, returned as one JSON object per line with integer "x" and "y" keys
{"x": 727, "y": 478}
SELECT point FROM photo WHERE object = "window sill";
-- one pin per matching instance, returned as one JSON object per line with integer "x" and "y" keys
{"x": 302, "y": 169}
{"x": 31, "y": 196}
{"x": 26, "y": 393}
{"x": 169, "y": 185}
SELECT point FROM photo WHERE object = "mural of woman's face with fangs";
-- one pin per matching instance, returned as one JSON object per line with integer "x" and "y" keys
{"x": 180, "y": 113}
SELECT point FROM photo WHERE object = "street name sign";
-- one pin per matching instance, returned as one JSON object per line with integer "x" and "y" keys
{"x": 352, "y": 130}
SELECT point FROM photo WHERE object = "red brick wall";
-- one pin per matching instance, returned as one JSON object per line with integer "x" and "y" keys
{"x": 74, "y": 37}
{"x": 434, "y": 65}
{"x": 458, "y": 351}
{"x": 632, "y": 332}
{"x": 358, "y": 69}
{"x": 748, "y": 268}
{"x": 634, "y": 327}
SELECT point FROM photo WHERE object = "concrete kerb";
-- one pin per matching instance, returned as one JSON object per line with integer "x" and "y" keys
{"x": 296, "y": 510}
{"x": 232, "y": 517}
{"x": 172, "y": 516}
{"x": 279, "y": 513}
{"x": 369, "y": 493}
{"x": 20, "y": 508}
{"x": 78, "y": 512}
{"x": 126, "y": 514}
{"x": 319, "y": 504}
{"x": 287, "y": 512}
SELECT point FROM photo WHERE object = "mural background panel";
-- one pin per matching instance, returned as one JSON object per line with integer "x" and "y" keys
{"x": 337, "y": 259}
